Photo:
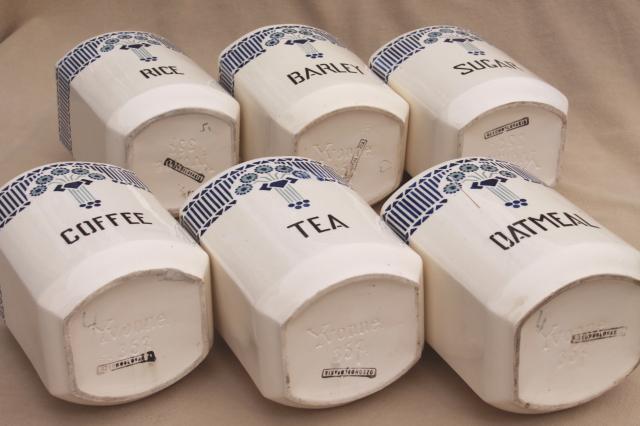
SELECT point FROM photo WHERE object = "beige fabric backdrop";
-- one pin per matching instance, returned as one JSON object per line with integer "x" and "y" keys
{"x": 587, "y": 49}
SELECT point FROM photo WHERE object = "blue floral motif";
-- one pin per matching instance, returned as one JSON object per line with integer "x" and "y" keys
{"x": 96, "y": 176}
{"x": 516, "y": 204}
{"x": 263, "y": 169}
{"x": 80, "y": 171}
{"x": 243, "y": 189}
{"x": 301, "y": 174}
{"x": 59, "y": 171}
{"x": 455, "y": 176}
{"x": 300, "y": 204}
{"x": 38, "y": 190}
{"x": 452, "y": 188}
{"x": 44, "y": 179}
{"x": 468, "y": 168}
{"x": 507, "y": 173}
{"x": 248, "y": 178}
{"x": 284, "y": 168}
{"x": 488, "y": 167}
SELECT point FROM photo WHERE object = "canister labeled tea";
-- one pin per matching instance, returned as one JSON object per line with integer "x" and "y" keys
{"x": 314, "y": 294}
{"x": 104, "y": 291}
{"x": 303, "y": 93}
{"x": 468, "y": 98}
{"x": 134, "y": 100}
{"x": 531, "y": 300}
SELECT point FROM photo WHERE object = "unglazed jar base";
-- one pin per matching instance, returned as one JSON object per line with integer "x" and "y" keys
{"x": 366, "y": 151}
{"x": 175, "y": 153}
{"x": 579, "y": 343}
{"x": 120, "y": 347}
{"x": 526, "y": 134}
{"x": 349, "y": 334}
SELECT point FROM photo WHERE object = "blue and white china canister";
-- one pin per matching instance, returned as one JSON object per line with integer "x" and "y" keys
{"x": 528, "y": 298}
{"x": 105, "y": 292}
{"x": 468, "y": 98}
{"x": 319, "y": 300}
{"x": 134, "y": 100}
{"x": 303, "y": 93}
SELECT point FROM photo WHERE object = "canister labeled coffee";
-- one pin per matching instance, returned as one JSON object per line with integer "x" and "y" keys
{"x": 530, "y": 300}
{"x": 468, "y": 98}
{"x": 303, "y": 93}
{"x": 104, "y": 291}
{"x": 314, "y": 294}
{"x": 134, "y": 100}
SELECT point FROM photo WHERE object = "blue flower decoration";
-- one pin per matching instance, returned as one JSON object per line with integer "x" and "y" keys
{"x": 248, "y": 178}
{"x": 507, "y": 173}
{"x": 468, "y": 167}
{"x": 38, "y": 190}
{"x": 516, "y": 204}
{"x": 111, "y": 41}
{"x": 106, "y": 48}
{"x": 306, "y": 32}
{"x": 80, "y": 171}
{"x": 300, "y": 204}
{"x": 243, "y": 189}
{"x": 488, "y": 167}
{"x": 59, "y": 171}
{"x": 96, "y": 176}
{"x": 44, "y": 179}
{"x": 271, "y": 42}
{"x": 289, "y": 30}
{"x": 455, "y": 176}
{"x": 284, "y": 169}
{"x": 141, "y": 37}
{"x": 124, "y": 36}
{"x": 451, "y": 188}
{"x": 277, "y": 35}
{"x": 263, "y": 169}
{"x": 431, "y": 40}
{"x": 301, "y": 174}
{"x": 446, "y": 30}
{"x": 434, "y": 34}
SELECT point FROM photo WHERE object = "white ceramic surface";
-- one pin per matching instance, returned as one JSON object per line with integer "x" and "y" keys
{"x": 468, "y": 98}
{"x": 303, "y": 93}
{"x": 314, "y": 294}
{"x": 528, "y": 298}
{"x": 134, "y": 100}
{"x": 104, "y": 291}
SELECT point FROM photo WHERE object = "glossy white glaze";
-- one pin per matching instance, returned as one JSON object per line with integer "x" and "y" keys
{"x": 529, "y": 299}
{"x": 132, "y": 99}
{"x": 104, "y": 291}
{"x": 317, "y": 298}
{"x": 303, "y": 93}
{"x": 468, "y": 98}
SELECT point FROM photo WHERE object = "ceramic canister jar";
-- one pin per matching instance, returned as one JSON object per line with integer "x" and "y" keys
{"x": 468, "y": 98}
{"x": 530, "y": 300}
{"x": 104, "y": 291}
{"x": 319, "y": 300}
{"x": 132, "y": 99}
{"x": 302, "y": 93}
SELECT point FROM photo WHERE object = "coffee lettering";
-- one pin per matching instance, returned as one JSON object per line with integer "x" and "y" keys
{"x": 86, "y": 228}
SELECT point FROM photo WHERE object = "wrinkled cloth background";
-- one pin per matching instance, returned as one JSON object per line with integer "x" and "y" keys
{"x": 587, "y": 49}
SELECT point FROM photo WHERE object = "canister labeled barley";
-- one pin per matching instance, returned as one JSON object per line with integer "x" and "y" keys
{"x": 133, "y": 99}
{"x": 530, "y": 300}
{"x": 303, "y": 93}
{"x": 317, "y": 298}
{"x": 468, "y": 98}
{"x": 104, "y": 291}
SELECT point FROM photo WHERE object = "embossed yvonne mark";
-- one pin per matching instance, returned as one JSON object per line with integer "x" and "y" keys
{"x": 328, "y": 334}
{"x": 344, "y": 159}
{"x": 512, "y": 146}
